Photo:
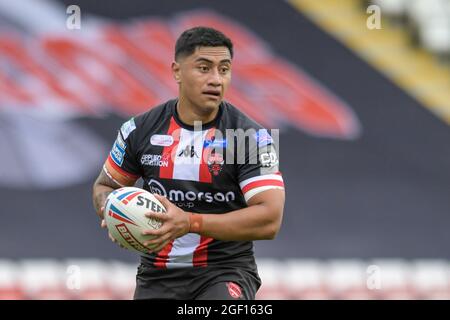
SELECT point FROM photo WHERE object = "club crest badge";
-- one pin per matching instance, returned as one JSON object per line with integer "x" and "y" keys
{"x": 215, "y": 163}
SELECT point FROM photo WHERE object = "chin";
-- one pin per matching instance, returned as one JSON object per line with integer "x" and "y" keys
{"x": 210, "y": 106}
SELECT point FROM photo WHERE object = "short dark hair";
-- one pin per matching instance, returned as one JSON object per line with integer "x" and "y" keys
{"x": 195, "y": 37}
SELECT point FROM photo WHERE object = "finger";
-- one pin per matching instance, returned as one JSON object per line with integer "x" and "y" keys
{"x": 103, "y": 223}
{"x": 158, "y": 240}
{"x": 164, "y": 201}
{"x": 157, "y": 215}
{"x": 156, "y": 232}
{"x": 111, "y": 238}
{"x": 158, "y": 246}
{"x": 153, "y": 232}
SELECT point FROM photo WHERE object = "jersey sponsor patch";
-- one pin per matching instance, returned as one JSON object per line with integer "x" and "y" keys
{"x": 117, "y": 154}
{"x": 188, "y": 152}
{"x": 155, "y": 160}
{"x": 179, "y": 196}
{"x": 234, "y": 290}
{"x": 163, "y": 140}
{"x": 215, "y": 143}
{"x": 120, "y": 142}
{"x": 268, "y": 159}
{"x": 127, "y": 128}
{"x": 263, "y": 137}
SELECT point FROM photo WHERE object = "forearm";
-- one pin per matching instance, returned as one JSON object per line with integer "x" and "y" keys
{"x": 99, "y": 195}
{"x": 102, "y": 187}
{"x": 257, "y": 222}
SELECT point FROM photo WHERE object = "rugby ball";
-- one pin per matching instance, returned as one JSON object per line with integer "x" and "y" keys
{"x": 124, "y": 214}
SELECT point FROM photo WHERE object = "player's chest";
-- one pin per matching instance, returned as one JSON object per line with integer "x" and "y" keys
{"x": 188, "y": 156}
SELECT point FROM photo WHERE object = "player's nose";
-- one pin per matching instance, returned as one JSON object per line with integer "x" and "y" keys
{"x": 215, "y": 79}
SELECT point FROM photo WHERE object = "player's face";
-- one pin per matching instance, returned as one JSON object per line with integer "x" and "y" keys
{"x": 204, "y": 76}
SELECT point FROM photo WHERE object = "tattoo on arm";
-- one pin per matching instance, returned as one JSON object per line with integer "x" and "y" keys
{"x": 103, "y": 179}
{"x": 103, "y": 186}
{"x": 99, "y": 201}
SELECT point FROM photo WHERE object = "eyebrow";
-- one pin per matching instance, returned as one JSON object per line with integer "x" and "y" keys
{"x": 210, "y": 61}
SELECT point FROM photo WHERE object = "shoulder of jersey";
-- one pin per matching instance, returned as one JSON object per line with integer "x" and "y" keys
{"x": 154, "y": 115}
{"x": 237, "y": 119}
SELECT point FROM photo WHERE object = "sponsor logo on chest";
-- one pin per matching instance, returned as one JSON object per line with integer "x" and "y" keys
{"x": 163, "y": 140}
{"x": 188, "y": 152}
{"x": 155, "y": 160}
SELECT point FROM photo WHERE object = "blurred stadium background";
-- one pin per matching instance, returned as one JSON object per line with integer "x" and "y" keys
{"x": 363, "y": 107}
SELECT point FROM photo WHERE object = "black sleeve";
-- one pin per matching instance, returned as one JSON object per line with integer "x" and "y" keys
{"x": 122, "y": 156}
{"x": 260, "y": 169}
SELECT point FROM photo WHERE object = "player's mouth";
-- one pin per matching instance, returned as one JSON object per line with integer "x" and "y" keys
{"x": 213, "y": 94}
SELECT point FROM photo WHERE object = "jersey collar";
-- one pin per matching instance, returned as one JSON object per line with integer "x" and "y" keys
{"x": 205, "y": 126}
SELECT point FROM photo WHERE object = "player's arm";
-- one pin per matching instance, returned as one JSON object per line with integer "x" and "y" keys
{"x": 261, "y": 220}
{"x": 102, "y": 187}
{"x": 109, "y": 179}
{"x": 118, "y": 170}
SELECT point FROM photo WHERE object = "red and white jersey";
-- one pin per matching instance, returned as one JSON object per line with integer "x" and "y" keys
{"x": 214, "y": 168}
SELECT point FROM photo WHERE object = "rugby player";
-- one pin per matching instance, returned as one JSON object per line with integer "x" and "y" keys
{"x": 219, "y": 197}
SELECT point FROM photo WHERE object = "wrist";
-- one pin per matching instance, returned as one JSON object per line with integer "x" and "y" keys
{"x": 196, "y": 222}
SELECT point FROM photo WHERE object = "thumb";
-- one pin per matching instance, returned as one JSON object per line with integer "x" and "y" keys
{"x": 103, "y": 224}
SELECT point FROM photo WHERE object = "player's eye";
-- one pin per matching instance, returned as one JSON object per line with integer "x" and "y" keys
{"x": 203, "y": 68}
{"x": 224, "y": 70}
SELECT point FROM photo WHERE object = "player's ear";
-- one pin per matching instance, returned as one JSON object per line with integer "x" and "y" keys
{"x": 176, "y": 71}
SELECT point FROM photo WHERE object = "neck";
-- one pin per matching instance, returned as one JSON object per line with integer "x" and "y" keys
{"x": 189, "y": 113}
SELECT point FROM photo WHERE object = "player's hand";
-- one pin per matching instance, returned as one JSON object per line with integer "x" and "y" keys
{"x": 175, "y": 224}
{"x": 103, "y": 225}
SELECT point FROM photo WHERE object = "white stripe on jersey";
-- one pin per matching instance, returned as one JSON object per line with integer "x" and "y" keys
{"x": 257, "y": 190}
{"x": 186, "y": 167}
{"x": 182, "y": 252}
{"x": 258, "y": 178}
